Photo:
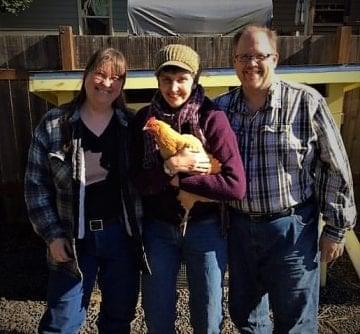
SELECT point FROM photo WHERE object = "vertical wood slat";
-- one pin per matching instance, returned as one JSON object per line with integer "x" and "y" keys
{"x": 8, "y": 147}
{"x": 343, "y": 44}
{"x": 21, "y": 121}
{"x": 67, "y": 48}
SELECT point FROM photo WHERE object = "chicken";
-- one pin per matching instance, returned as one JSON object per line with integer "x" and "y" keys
{"x": 171, "y": 142}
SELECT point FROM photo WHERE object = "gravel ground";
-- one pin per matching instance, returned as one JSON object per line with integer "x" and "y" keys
{"x": 23, "y": 277}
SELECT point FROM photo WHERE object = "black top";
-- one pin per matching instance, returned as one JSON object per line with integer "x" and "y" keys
{"x": 102, "y": 192}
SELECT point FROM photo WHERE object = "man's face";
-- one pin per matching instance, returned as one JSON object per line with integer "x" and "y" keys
{"x": 255, "y": 61}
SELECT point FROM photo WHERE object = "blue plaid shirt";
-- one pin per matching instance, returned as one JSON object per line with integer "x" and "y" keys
{"x": 292, "y": 149}
{"x": 49, "y": 186}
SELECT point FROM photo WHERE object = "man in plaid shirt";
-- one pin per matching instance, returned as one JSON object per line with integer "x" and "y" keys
{"x": 296, "y": 168}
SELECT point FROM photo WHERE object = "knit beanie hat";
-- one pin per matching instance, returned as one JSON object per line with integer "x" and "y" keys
{"x": 178, "y": 55}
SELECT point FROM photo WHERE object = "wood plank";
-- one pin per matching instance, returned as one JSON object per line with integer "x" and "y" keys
{"x": 13, "y": 74}
{"x": 21, "y": 122}
{"x": 3, "y": 54}
{"x": 41, "y": 53}
{"x": 67, "y": 48}
{"x": 343, "y": 45}
{"x": 15, "y": 52}
{"x": 8, "y": 145}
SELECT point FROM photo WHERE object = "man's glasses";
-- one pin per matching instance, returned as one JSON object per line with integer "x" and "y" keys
{"x": 245, "y": 58}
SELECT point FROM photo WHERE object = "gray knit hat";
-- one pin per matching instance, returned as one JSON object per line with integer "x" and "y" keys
{"x": 178, "y": 55}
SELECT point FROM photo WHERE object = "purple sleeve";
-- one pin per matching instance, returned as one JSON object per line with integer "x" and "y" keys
{"x": 230, "y": 183}
{"x": 147, "y": 181}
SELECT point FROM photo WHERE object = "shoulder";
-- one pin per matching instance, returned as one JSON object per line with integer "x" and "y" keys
{"x": 141, "y": 115}
{"x": 306, "y": 91}
{"x": 212, "y": 116}
{"x": 51, "y": 119}
{"x": 223, "y": 101}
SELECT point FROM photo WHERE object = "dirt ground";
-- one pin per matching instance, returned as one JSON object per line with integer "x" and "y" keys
{"x": 23, "y": 277}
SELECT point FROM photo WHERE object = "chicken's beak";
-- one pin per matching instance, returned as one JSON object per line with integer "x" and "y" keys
{"x": 145, "y": 128}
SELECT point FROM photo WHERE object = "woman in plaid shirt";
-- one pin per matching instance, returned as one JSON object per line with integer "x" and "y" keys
{"x": 80, "y": 201}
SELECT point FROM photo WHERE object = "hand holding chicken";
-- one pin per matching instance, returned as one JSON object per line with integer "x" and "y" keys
{"x": 182, "y": 153}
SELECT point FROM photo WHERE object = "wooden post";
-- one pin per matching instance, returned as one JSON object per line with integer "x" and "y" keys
{"x": 343, "y": 42}
{"x": 67, "y": 48}
{"x": 309, "y": 19}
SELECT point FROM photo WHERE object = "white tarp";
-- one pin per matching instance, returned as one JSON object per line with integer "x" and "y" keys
{"x": 203, "y": 17}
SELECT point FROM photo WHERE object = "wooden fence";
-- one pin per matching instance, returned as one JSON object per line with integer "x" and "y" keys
{"x": 20, "y": 111}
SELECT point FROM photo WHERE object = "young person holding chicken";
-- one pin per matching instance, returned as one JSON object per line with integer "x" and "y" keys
{"x": 180, "y": 102}
{"x": 81, "y": 202}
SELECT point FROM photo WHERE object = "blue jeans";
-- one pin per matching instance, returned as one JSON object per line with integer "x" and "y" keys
{"x": 274, "y": 263}
{"x": 204, "y": 251}
{"x": 108, "y": 254}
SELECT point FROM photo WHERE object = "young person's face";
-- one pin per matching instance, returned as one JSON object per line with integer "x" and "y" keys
{"x": 103, "y": 85}
{"x": 255, "y": 61}
{"x": 175, "y": 87}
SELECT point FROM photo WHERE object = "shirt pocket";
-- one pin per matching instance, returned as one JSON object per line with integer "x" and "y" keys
{"x": 60, "y": 169}
{"x": 281, "y": 140}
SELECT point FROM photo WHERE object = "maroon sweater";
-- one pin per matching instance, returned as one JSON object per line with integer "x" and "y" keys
{"x": 159, "y": 197}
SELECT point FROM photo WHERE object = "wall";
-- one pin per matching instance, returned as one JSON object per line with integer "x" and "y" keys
{"x": 45, "y": 15}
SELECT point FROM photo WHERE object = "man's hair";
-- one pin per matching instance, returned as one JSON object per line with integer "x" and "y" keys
{"x": 271, "y": 34}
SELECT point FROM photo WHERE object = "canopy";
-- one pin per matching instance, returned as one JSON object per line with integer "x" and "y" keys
{"x": 179, "y": 17}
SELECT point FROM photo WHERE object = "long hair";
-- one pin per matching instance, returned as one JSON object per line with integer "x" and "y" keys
{"x": 100, "y": 57}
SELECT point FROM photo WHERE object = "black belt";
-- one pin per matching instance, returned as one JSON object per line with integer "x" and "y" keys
{"x": 99, "y": 224}
{"x": 265, "y": 217}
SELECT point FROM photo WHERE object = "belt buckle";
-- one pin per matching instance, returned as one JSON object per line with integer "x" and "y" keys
{"x": 96, "y": 225}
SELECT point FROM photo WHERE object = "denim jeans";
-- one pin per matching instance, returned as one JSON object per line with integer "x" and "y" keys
{"x": 274, "y": 263}
{"x": 109, "y": 255}
{"x": 204, "y": 251}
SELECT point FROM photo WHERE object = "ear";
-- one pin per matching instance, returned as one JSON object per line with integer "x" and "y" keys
{"x": 275, "y": 59}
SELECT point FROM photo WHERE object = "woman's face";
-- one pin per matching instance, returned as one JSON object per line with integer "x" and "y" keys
{"x": 103, "y": 85}
{"x": 175, "y": 87}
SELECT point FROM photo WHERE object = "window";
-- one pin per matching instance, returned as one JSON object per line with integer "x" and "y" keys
{"x": 95, "y": 17}
{"x": 331, "y": 12}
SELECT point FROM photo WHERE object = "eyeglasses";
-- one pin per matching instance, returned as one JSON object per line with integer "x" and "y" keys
{"x": 245, "y": 58}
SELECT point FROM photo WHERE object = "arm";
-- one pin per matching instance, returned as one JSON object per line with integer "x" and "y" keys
{"x": 230, "y": 183}
{"x": 333, "y": 180}
{"x": 39, "y": 189}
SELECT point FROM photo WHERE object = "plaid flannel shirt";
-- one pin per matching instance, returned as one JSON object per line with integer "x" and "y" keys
{"x": 49, "y": 190}
{"x": 292, "y": 149}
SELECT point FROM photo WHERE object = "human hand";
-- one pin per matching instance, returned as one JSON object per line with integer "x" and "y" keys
{"x": 189, "y": 161}
{"x": 61, "y": 250}
{"x": 330, "y": 249}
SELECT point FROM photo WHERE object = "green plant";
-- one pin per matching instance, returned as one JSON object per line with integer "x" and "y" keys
{"x": 14, "y": 6}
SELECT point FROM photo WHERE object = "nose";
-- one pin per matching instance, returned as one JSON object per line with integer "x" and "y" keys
{"x": 174, "y": 86}
{"x": 107, "y": 82}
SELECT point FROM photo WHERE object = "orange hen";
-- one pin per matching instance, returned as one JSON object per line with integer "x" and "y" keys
{"x": 171, "y": 142}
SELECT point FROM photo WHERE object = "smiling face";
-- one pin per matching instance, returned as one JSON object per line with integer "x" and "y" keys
{"x": 103, "y": 85}
{"x": 255, "y": 60}
{"x": 175, "y": 87}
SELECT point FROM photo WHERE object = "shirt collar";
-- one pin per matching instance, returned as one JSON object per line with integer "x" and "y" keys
{"x": 273, "y": 100}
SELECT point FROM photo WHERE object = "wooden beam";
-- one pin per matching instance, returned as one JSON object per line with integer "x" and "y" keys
{"x": 309, "y": 19}
{"x": 343, "y": 42}
{"x": 67, "y": 48}
{"x": 13, "y": 74}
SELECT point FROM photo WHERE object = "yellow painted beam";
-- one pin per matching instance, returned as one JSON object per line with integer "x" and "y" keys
{"x": 352, "y": 247}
